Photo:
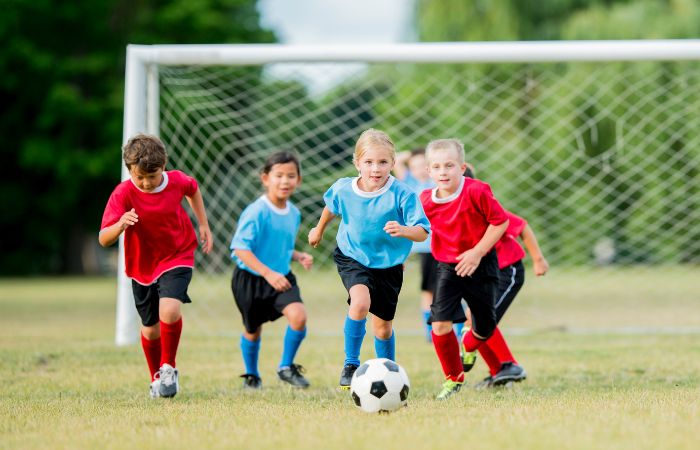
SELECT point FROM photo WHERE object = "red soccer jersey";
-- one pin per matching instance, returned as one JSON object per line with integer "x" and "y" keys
{"x": 508, "y": 248}
{"x": 164, "y": 237}
{"x": 458, "y": 222}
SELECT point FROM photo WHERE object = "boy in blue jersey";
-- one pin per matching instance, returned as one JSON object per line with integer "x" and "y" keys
{"x": 412, "y": 168}
{"x": 263, "y": 285}
{"x": 380, "y": 218}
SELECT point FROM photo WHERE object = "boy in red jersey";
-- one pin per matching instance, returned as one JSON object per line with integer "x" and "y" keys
{"x": 466, "y": 222}
{"x": 159, "y": 244}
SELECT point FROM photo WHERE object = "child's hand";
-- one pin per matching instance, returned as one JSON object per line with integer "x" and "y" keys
{"x": 305, "y": 260}
{"x": 277, "y": 281}
{"x": 468, "y": 262}
{"x": 315, "y": 236}
{"x": 205, "y": 238}
{"x": 394, "y": 229}
{"x": 541, "y": 266}
{"x": 128, "y": 218}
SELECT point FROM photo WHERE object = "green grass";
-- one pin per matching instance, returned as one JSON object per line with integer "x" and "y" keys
{"x": 63, "y": 383}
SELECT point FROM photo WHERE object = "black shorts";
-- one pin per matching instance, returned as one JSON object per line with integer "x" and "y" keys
{"x": 479, "y": 290}
{"x": 428, "y": 270}
{"x": 171, "y": 284}
{"x": 384, "y": 284}
{"x": 510, "y": 280}
{"x": 258, "y": 301}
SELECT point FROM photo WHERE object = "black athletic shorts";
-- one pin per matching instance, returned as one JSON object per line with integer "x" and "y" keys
{"x": 258, "y": 301}
{"x": 428, "y": 270}
{"x": 479, "y": 290}
{"x": 510, "y": 280}
{"x": 171, "y": 284}
{"x": 384, "y": 284}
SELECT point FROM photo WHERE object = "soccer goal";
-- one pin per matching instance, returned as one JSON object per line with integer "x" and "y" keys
{"x": 595, "y": 143}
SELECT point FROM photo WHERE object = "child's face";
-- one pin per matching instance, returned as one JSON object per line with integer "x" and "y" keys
{"x": 146, "y": 181}
{"x": 418, "y": 166}
{"x": 445, "y": 169}
{"x": 281, "y": 181}
{"x": 374, "y": 167}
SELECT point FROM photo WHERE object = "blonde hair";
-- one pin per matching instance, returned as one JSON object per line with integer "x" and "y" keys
{"x": 446, "y": 144}
{"x": 373, "y": 138}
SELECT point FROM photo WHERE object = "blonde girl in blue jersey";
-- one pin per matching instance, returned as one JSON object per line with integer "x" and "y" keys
{"x": 380, "y": 219}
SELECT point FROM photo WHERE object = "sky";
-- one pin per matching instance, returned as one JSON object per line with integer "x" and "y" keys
{"x": 333, "y": 22}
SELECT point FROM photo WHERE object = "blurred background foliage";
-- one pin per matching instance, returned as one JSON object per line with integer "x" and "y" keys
{"x": 63, "y": 82}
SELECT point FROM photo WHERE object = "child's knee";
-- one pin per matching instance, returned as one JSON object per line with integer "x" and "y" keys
{"x": 440, "y": 328}
{"x": 152, "y": 332}
{"x": 297, "y": 316}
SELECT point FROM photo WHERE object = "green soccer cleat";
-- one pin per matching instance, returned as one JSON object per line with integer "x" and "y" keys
{"x": 449, "y": 388}
{"x": 468, "y": 358}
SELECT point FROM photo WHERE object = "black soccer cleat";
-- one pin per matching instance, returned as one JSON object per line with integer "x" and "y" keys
{"x": 293, "y": 376}
{"x": 251, "y": 382}
{"x": 510, "y": 372}
{"x": 346, "y": 376}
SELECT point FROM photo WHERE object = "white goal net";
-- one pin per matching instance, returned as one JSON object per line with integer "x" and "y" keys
{"x": 601, "y": 157}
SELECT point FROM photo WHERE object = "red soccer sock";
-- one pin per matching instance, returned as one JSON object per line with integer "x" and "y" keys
{"x": 497, "y": 344}
{"x": 471, "y": 343}
{"x": 170, "y": 338}
{"x": 151, "y": 348}
{"x": 447, "y": 350}
{"x": 490, "y": 358}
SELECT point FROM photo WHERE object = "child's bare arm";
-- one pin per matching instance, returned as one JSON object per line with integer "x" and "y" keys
{"x": 110, "y": 234}
{"x": 197, "y": 204}
{"x": 276, "y": 279}
{"x": 469, "y": 260}
{"x": 316, "y": 233}
{"x": 415, "y": 233}
{"x": 303, "y": 258}
{"x": 540, "y": 264}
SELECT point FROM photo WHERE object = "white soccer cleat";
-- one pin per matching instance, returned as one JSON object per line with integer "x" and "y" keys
{"x": 155, "y": 388}
{"x": 169, "y": 385}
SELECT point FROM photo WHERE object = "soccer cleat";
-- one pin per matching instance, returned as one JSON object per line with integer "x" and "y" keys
{"x": 486, "y": 383}
{"x": 169, "y": 385}
{"x": 155, "y": 388}
{"x": 346, "y": 376}
{"x": 251, "y": 382}
{"x": 293, "y": 375}
{"x": 449, "y": 388}
{"x": 510, "y": 372}
{"x": 468, "y": 358}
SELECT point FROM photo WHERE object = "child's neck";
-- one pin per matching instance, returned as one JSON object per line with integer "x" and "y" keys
{"x": 363, "y": 187}
{"x": 278, "y": 202}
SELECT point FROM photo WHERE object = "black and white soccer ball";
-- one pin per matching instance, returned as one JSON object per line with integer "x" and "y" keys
{"x": 380, "y": 385}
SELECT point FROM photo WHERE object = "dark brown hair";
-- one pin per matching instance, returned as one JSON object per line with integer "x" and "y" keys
{"x": 145, "y": 152}
{"x": 282, "y": 157}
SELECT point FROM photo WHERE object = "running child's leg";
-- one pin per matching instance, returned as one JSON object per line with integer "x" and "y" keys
{"x": 170, "y": 329}
{"x": 295, "y": 334}
{"x": 250, "y": 350}
{"x": 447, "y": 350}
{"x": 426, "y": 299}
{"x": 354, "y": 331}
{"x": 384, "y": 340}
{"x": 150, "y": 342}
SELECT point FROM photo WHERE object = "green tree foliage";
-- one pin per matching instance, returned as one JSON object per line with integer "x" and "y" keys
{"x": 62, "y": 94}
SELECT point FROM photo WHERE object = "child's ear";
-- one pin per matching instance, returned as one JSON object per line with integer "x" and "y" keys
{"x": 264, "y": 177}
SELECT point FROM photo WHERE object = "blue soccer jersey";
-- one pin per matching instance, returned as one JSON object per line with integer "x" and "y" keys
{"x": 269, "y": 232}
{"x": 361, "y": 234}
{"x": 418, "y": 186}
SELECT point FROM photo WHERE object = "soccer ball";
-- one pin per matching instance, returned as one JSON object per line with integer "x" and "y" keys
{"x": 379, "y": 385}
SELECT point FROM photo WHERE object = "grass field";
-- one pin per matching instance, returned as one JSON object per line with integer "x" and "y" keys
{"x": 614, "y": 362}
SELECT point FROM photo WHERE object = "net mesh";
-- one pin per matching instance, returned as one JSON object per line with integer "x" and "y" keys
{"x": 601, "y": 159}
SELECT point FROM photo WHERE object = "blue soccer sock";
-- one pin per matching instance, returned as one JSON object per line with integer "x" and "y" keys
{"x": 354, "y": 331}
{"x": 385, "y": 348}
{"x": 428, "y": 327}
{"x": 250, "y": 351}
{"x": 292, "y": 341}
{"x": 458, "y": 330}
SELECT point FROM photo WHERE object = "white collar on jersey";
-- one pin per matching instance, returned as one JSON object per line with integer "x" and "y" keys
{"x": 275, "y": 209}
{"x": 160, "y": 188}
{"x": 450, "y": 197}
{"x": 376, "y": 193}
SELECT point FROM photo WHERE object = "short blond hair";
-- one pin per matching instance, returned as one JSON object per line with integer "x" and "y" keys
{"x": 373, "y": 138}
{"x": 446, "y": 144}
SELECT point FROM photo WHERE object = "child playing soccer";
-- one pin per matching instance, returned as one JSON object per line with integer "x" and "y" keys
{"x": 159, "y": 244}
{"x": 263, "y": 284}
{"x": 466, "y": 221}
{"x": 503, "y": 368}
{"x": 379, "y": 219}
{"x": 412, "y": 168}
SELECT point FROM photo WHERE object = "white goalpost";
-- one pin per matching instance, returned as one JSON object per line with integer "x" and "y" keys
{"x": 611, "y": 128}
